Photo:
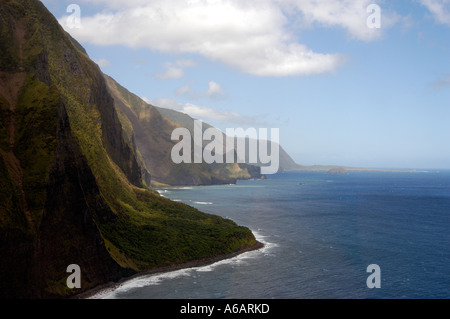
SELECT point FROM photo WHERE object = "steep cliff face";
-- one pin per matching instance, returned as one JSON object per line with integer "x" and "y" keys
{"x": 73, "y": 208}
{"x": 51, "y": 200}
{"x": 72, "y": 181}
{"x": 153, "y": 127}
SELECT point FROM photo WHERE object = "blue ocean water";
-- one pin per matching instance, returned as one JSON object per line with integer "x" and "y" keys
{"x": 321, "y": 233}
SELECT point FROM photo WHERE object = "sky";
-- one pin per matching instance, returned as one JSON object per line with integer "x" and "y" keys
{"x": 361, "y": 83}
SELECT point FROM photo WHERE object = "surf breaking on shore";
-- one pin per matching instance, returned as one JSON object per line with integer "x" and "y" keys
{"x": 156, "y": 276}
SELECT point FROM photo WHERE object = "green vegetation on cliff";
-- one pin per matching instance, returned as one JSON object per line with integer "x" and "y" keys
{"x": 73, "y": 181}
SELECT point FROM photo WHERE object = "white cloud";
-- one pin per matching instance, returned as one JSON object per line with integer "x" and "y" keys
{"x": 253, "y": 36}
{"x": 214, "y": 91}
{"x": 250, "y": 36}
{"x": 205, "y": 113}
{"x": 175, "y": 70}
{"x": 185, "y": 63}
{"x": 349, "y": 15}
{"x": 171, "y": 73}
{"x": 440, "y": 10}
{"x": 202, "y": 112}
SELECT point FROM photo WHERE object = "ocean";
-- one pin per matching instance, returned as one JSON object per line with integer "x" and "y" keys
{"x": 321, "y": 232}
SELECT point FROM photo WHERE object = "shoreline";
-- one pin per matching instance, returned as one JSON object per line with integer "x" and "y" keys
{"x": 166, "y": 269}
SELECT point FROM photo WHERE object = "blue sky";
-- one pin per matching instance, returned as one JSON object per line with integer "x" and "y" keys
{"x": 340, "y": 92}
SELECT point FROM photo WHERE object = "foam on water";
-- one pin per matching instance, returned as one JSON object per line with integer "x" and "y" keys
{"x": 268, "y": 246}
{"x": 139, "y": 282}
{"x": 156, "y": 279}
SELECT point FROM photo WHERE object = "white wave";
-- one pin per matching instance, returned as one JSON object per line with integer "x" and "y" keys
{"x": 268, "y": 246}
{"x": 241, "y": 259}
{"x": 203, "y": 203}
{"x": 140, "y": 282}
{"x": 208, "y": 268}
{"x": 235, "y": 261}
{"x": 156, "y": 279}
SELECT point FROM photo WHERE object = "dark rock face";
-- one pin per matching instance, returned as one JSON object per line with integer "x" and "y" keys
{"x": 120, "y": 152}
{"x": 71, "y": 181}
{"x": 68, "y": 233}
{"x": 73, "y": 205}
{"x": 48, "y": 226}
{"x": 16, "y": 280}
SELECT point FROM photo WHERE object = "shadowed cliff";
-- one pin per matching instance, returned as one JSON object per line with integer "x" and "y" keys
{"x": 73, "y": 184}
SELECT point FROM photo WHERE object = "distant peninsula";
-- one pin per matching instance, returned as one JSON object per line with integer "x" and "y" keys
{"x": 335, "y": 169}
